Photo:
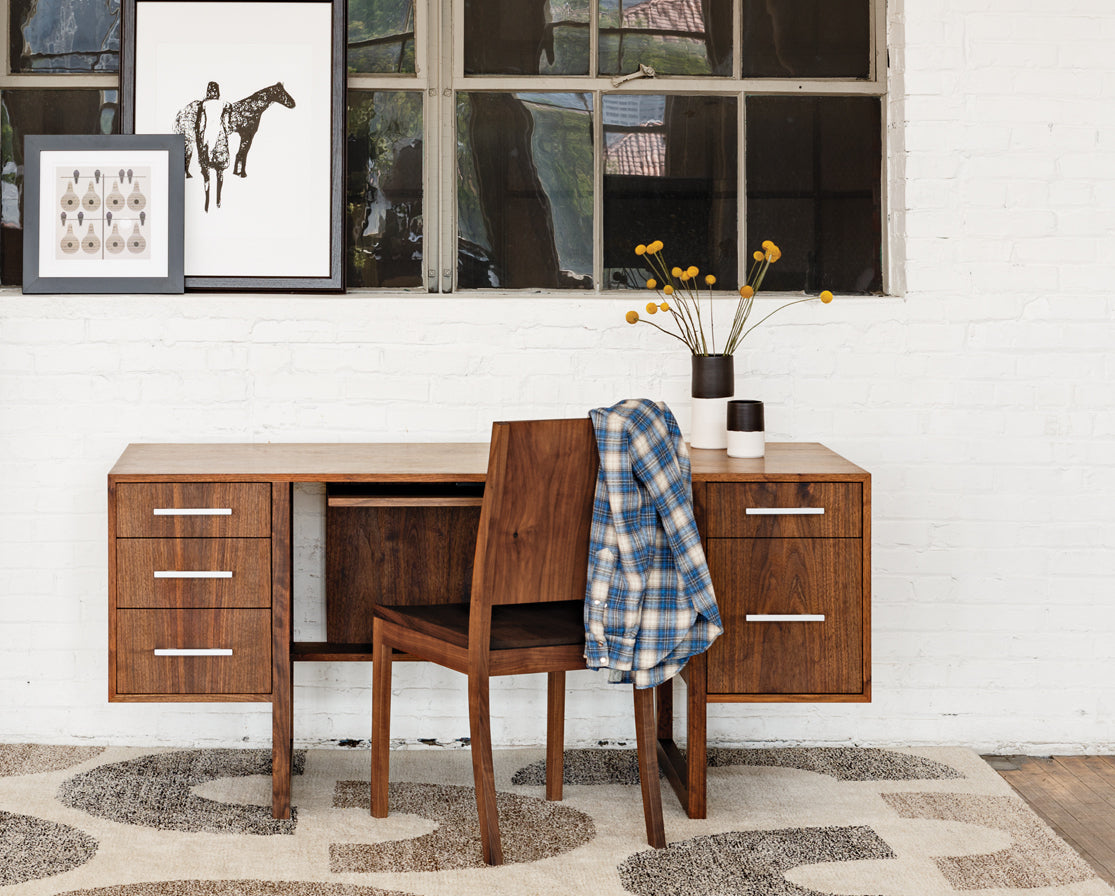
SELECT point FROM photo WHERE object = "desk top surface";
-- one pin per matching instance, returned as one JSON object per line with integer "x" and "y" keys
{"x": 428, "y": 462}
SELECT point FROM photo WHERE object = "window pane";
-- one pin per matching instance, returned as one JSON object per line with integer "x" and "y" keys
{"x": 23, "y": 112}
{"x": 65, "y": 35}
{"x": 384, "y": 200}
{"x": 513, "y": 37}
{"x": 381, "y": 36}
{"x": 669, "y": 174}
{"x": 674, "y": 37}
{"x": 524, "y": 191}
{"x": 813, "y": 186}
{"x": 806, "y": 38}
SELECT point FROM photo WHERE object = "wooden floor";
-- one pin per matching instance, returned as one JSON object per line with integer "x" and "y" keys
{"x": 1076, "y": 797}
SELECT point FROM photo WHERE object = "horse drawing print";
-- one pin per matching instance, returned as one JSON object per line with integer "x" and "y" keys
{"x": 207, "y": 124}
{"x": 244, "y": 116}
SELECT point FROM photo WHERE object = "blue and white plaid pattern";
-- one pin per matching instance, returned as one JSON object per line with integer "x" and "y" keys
{"x": 649, "y": 604}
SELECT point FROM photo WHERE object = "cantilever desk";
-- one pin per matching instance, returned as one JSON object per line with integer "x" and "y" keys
{"x": 200, "y": 560}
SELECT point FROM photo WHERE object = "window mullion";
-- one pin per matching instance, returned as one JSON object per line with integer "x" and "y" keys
{"x": 451, "y": 65}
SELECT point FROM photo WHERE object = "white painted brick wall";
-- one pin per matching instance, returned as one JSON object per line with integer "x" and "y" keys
{"x": 980, "y": 399}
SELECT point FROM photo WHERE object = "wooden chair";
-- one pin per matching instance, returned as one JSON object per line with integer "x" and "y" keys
{"x": 525, "y": 614}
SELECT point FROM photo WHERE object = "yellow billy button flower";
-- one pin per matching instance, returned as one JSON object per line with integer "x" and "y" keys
{"x": 826, "y": 297}
{"x": 692, "y": 272}
{"x": 746, "y": 291}
{"x": 676, "y": 272}
{"x": 683, "y": 276}
{"x": 632, "y": 317}
{"x": 656, "y": 246}
{"x": 668, "y": 290}
{"x": 758, "y": 255}
{"x": 652, "y": 283}
{"x": 640, "y": 249}
{"x": 652, "y": 308}
{"x": 709, "y": 279}
{"x": 664, "y": 307}
{"x": 768, "y": 245}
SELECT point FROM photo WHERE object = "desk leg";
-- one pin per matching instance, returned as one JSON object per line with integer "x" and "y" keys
{"x": 686, "y": 774}
{"x": 696, "y": 750}
{"x": 282, "y": 684}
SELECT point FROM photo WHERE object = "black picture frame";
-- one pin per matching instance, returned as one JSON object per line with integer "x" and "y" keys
{"x": 278, "y": 224}
{"x": 67, "y": 182}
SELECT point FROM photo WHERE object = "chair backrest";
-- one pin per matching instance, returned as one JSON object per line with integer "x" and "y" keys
{"x": 532, "y": 544}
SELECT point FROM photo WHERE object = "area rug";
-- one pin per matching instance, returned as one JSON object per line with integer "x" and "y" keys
{"x": 788, "y": 822}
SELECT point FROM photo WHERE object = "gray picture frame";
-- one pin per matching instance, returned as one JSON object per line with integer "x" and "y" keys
{"x": 113, "y": 151}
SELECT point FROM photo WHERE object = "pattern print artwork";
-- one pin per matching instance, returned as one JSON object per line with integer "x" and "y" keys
{"x": 102, "y": 213}
{"x": 208, "y": 125}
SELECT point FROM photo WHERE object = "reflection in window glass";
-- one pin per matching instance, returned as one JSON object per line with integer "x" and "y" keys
{"x": 22, "y": 112}
{"x": 526, "y": 37}
{"x": 64, "y": 35}
{"x": 384, "y": 198}
{"x": 674, "y": 37}
{"x": 813, "y": 186}
{"x": 524, "y": 190}
{"x": 381, "y": 36}
{"x": 669, "y": 174}
{"x": 806, "y": 38}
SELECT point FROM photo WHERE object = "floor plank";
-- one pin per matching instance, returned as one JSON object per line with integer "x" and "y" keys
{"x": 1075, "y": 795}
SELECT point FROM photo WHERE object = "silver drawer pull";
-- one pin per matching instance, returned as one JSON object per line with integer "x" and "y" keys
{"x": 787, "y": 511}
{"x": 193, "y": 511}
{"x": 193, "y": 651}
{"x": 193, "y": 574}
{"x": 785, "y": 617}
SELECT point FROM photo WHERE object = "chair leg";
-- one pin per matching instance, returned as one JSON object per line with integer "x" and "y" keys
{"x": 483, "y": 771}
{"x": 645, "y": 731}
{"x": 381, "y": 725}
{"x": 555, "y": 734}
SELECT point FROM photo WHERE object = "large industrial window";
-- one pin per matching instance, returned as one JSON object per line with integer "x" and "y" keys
{"x": 530, "y": 144}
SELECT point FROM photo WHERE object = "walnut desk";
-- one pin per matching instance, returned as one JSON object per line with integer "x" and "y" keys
{"x": 200, "y": 563}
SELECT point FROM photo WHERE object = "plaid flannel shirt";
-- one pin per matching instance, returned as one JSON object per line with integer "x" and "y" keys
{"x": 649, "y": 603}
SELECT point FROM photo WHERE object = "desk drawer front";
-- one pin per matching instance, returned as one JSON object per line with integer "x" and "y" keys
{"x": 193, "y": 572}
{"x": 784, "y": 509}
{"x": 793, "y": 616}
{"x": 193, "y": 509}
{"x": 199, "y": 652}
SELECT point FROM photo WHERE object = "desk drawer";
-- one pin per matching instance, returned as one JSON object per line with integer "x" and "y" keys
{"x": 193, "y": 572}
{"x": 237, "y": 645}
{"x": 193, "y": 510}
{"x": 784, "y": 509}
{"x": 793, "y": 616}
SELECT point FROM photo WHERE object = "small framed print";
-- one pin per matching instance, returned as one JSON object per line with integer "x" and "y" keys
{"x": 103, "y": 214}
{"x": 257, "y": 90}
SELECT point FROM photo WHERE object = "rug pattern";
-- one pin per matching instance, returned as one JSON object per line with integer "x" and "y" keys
{"x": 793, "y": 822}
{"x": 155, "y": 791}
{"x": 530, "y": 829}
{"x": 841, "y": 763}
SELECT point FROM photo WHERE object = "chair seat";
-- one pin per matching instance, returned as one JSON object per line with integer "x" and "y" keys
{"x": 514, "y": 626}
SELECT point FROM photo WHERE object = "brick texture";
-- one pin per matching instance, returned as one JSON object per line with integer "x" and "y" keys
{"x": 979, "y": 396}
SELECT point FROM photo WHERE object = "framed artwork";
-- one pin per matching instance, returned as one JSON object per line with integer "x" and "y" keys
{"x": 256, "y": 90}
{"x": 103, "y": 214}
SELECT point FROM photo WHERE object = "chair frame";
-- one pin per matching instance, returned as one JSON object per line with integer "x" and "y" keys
{"x": 549, "y": 564}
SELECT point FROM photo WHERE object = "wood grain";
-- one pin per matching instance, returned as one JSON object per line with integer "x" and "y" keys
{"x": 401, "y": 555}
{"x": 1075, "y": 795}
{"x": 787, "y": 575}
{"x": 247, "y": 559}
{"x": 250, "y": 503}
{"x": 728, "y": 504}
{"x": 246, "y": 632}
